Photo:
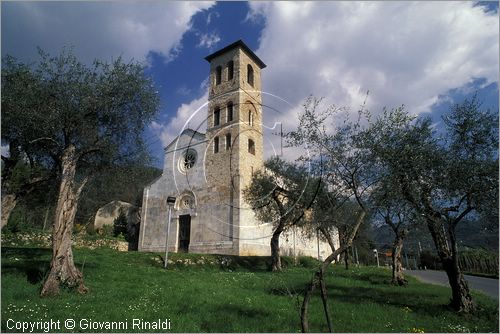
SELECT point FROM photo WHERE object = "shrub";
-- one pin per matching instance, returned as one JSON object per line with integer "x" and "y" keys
{"x": 429, "y": 260}
{"x": 120, "y": 226}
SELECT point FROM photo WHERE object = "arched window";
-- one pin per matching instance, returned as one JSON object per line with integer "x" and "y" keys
{"x": 216, "y": 116}
{"x": 251, "y": 146}
{"x": 230, "y": 70}
{"x": 250, "y": 118}
{"x": 250, "y": 74}
{"x": 228, "y": 141}
{"x": 218, "y": 75}
{"x": 216, "y": 145}
{"x": 230, "y": 111}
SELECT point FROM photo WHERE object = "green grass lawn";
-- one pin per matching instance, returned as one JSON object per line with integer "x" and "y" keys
{"x": 227, "y": 294}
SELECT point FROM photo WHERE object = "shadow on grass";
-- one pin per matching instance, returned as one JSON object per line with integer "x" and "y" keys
{"x": 32, "y": 262}
{"x": 26, "y": 252}
{"x": 377, "y": 289}
{"x": 421, "y": 303}
{"x": 372, "y": 277}
{"x": 289, "y": 290}
{"x": 241, "y": 311}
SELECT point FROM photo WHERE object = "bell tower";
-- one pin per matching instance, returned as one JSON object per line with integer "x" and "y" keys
{"x": 234, "y": 130}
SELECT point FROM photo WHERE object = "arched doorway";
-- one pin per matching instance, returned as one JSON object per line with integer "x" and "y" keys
{"x": 184, "y": 233}
{"x": 185, "y": 207}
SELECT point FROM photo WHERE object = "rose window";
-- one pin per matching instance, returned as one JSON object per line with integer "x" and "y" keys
{"x": 187, "y": 160}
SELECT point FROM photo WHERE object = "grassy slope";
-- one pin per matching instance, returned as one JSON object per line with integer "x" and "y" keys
{"x": 209, "y": 297}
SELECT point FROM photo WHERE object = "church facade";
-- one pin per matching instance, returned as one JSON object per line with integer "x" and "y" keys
{"x": 207, "y": 173}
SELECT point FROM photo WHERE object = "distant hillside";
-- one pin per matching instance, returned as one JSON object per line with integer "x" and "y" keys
{"x": 470, "y": 234}
{"x": 123, "y": 184}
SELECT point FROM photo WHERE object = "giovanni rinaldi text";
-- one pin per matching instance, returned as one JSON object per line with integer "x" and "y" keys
{"x": 88, "y": 324}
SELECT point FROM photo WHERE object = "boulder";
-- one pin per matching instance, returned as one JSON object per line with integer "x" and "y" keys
{"x": 107, "y": 214}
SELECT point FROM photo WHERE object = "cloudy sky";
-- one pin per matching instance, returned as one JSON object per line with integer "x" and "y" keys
{"x": 425, "y": 55}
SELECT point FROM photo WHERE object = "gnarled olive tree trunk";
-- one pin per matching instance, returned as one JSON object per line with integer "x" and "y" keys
{"x": 62, "y": 266}
{"x": 275, "y": 239}
{"x": 346, "y": 258}
{"x": 275, "y": 248}
{"x": 9, "y": 202}
{"x": 397, "y": 265}
{"x": 318, "y": 277}
{"x": 461, "y": 298}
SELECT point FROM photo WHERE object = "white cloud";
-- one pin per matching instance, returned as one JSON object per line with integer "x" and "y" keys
{"x": 97, "y": 29}
{"x": 212, "y": 15}
{"x": 191, "y": 115}
{"x": 208, "y": 40}
{"x": 403, "y": 53}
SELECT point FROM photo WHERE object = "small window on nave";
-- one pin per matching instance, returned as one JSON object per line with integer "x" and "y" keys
{"x": 251, "y": 146}
{"x": 250, "y": 118}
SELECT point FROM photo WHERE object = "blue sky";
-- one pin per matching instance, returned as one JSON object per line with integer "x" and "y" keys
{"x": 425, "y": 55}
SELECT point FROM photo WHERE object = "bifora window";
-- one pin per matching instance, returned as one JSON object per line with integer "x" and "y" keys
{"x": 216, "y": 116}
{"x": 250, "y": 74}
{"x": 187, "y": 160}
{"x": 230, "y": 111}
{"x": 218, "y": 75}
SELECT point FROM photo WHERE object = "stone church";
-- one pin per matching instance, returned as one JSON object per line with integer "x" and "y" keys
{"x": 207, "y": 173}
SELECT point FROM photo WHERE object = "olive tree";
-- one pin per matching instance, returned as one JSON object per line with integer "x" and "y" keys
{"x": 445, "y": 176}
{"x": 336, "y": 140}
{"x": 280, "y": 194}
{"x": 82, "y": 118}
{"x": 392, "y": 210}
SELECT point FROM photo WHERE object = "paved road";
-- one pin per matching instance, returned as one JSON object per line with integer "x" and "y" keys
{"x": 489, "y": 286}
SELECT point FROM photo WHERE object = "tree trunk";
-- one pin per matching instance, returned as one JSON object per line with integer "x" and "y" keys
{"x": 324, "y": 297}
{"x": 397, "y": 265}
{"x": 461, "y": 299}
{"x": 304, "y": 320}
{"x": 346, "y": 258}
{"x": 9, "y": 202}
{"x": 62, "y": 268}
{"x": 275, "y": 248}
{"x": 318, "y": 276}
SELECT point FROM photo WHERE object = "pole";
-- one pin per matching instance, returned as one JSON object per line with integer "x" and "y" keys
{"x": 356, "y": 252}
{"x": 294, "y": 253}
{"x": 168, "y": 233}
{"x": 281, "y": 138}
{"x": 407, "y": 263}
{"x": 378, "y": 263}
{"x": 419, "y": 251}
{"x": 317, "y": 238}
